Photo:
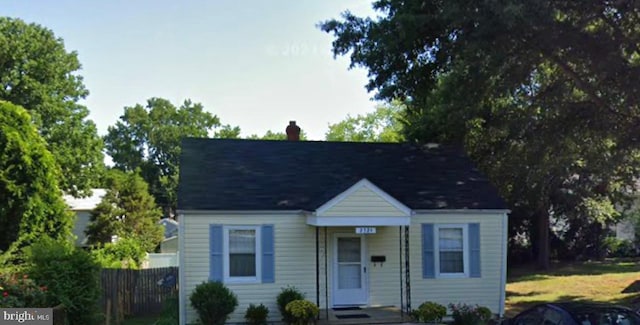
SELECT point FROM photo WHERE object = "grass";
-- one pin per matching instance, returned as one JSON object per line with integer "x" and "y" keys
{"x": 589, "y": 282}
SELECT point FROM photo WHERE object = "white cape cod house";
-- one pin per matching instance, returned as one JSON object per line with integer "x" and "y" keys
{"x": 349, "y": 224}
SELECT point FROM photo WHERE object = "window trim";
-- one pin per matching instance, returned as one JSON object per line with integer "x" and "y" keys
{"x": 225, "y": 255}
{"x": 465, "y": 250}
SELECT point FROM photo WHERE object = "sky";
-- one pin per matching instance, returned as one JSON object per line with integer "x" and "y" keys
{"x": 255, "y": 64}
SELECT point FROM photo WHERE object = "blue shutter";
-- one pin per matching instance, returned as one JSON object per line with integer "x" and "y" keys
{"x": 215, "y": 250}
{"x": 428, "y": 258}
{"x": 474, "y": 250}
{"x": 268, "y": 250}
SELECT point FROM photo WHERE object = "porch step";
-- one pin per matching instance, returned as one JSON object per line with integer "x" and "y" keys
{"x": 373, "y": 315}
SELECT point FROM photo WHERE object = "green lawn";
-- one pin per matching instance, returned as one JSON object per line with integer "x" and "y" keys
{"x": 589, "y": 281}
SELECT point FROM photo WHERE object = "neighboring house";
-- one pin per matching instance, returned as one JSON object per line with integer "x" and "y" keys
{"x": 159, "y": 260}
{"x": 82, "y": 208}
{"x": 170, "y": 227}
{"x": 170, "y": 242}
{"x": 168, "y": 255}
{"x": 169, "y": 245}
{"x": 349, "y": 224}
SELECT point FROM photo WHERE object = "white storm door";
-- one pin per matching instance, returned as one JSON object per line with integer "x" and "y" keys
{"x": 349, "y": 282}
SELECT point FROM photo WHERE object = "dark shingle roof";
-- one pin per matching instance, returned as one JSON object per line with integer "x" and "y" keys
{"x": 222, "y": 174}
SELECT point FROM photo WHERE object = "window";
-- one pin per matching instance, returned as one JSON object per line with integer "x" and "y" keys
{"x": 451, "y": 257}
{"x": 241, "y": 253}
{"x": 451, "y": 250}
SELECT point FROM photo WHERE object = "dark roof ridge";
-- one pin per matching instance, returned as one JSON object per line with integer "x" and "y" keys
{"x": 410, "y": 143}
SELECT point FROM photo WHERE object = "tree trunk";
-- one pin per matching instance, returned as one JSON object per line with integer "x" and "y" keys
{"x": 542, "y": 216}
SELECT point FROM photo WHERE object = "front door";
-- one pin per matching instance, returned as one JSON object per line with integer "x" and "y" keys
{"x": 349, "y": 282}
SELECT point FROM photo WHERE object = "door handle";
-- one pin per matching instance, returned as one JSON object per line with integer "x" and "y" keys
{"x": 365, "y": 269}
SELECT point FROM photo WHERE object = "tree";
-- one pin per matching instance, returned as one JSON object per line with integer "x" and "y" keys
{"x": 270, "y": 135}
{"x": 128, "y": 211}
{"x": 37, "y": 73}
{"x": 148, "y": 138}
{"x": 228, "y": 132}
{"x": 383, "y": 125}
{"x": 31, "y": 204}
{"x": 542, "y": 93}
{"x": 125, "y": 253}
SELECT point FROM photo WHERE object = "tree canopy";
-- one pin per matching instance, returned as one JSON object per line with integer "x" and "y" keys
{"x": 382, "y": 125}
{"x": 270, "y": 135}
{"x": 31, "y": 204}
{"x": 128, "y": 211}
{"x": 37, "y": 73}
{"x": 148, "y": 138}
{"x": 543, "y": 94}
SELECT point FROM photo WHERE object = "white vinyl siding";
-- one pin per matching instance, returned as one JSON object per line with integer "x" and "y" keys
{"x": 363, "y": 202}
{"x": 294, "y": 259}
{"x": 384, "y": 278}
{"x": 485, "y": 290}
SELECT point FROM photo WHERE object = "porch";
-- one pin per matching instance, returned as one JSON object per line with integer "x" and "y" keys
{"x": 356, "y": 270}
{"x": 361, "y": 248}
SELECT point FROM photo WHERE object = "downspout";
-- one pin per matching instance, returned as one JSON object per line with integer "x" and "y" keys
{"x": 503, "y": 271}
{"x": 182, "y": 294}
{"x": 400, "y": 259}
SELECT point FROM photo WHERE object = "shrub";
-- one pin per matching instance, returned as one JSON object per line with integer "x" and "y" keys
{"x": 430, "y": 312}
{"x": 286, "y": 296}
{"x": 71, "y": 276}
{"x": 302, "y": 312}
{"x": 619, "y": 247}
{"x": 125, "y": 253}
{"x": 469, "y": 315}
{"x": 213, "y": 302}
{"x": 170, "y": 312}
{"x": 21, "y": 291}
{"x": 256, "y": 315}
{"x": 484, "y": 313}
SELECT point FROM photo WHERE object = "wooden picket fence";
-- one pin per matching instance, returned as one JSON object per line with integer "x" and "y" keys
{"x": 136, "y": 292}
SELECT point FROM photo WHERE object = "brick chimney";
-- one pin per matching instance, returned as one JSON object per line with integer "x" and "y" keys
{"x": 293, "y": 131}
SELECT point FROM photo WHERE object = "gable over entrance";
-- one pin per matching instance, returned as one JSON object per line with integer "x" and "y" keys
{"x": 362, "y": 204}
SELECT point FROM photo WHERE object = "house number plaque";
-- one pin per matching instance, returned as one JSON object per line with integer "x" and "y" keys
{"x": 365, "y": 230}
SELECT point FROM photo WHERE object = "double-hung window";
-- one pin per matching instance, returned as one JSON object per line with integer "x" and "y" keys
{"x": 452, "y": 252}
{"x": 241, "y": 253}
